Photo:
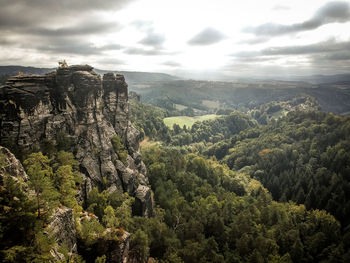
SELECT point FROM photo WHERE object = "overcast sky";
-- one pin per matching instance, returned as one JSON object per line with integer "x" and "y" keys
{"x": 193, "y": 38}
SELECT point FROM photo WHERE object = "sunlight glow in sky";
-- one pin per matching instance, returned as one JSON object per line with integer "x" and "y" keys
{"x": 219, "y": 38}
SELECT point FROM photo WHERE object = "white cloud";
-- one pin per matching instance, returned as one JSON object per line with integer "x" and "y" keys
{"x": 149, "y": 35}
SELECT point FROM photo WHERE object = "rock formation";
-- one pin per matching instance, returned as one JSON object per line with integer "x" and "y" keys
{"x": 78, "y": 104}
{"x": 64, "y": 231}
{"x": 62, "y": 223}
{"x": 10, "y": 166}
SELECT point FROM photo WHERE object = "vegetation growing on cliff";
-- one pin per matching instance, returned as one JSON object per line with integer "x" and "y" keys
{"x": 209, "y": 187}
{"x": 119, "y": 148}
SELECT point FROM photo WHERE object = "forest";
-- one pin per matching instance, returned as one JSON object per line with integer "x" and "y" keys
{"x": 148, "y": 131}
{"x": 226, "y": 190}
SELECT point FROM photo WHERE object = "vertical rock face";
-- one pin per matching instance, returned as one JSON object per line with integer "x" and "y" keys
{"x": 87, "y": 109}
{"x": 10, "y": 166}
{"x": 63, "y": 229}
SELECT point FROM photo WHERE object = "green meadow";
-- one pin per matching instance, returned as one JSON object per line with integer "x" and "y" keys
{"x": 186, "y": 120}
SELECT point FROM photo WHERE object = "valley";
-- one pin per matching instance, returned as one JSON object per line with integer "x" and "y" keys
{"x": 149, "y": 131}
{"x": 248, "y": 173}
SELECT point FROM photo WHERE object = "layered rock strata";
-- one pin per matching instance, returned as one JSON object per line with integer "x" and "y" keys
{"x": 79, "y": 104}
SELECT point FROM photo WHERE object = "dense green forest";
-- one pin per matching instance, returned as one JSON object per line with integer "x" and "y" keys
{"x": 223, "y": 216}
{"x": 206, "y": 213}
{"x": 303, "y": 157}
{"x": 226, "y": 190}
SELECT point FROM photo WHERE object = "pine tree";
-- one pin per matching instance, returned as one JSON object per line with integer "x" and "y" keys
{"x": 39, "y": 172}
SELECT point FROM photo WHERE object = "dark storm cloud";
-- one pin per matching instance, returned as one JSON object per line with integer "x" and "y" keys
{"x": 337, "y": 59}
{"x": 76, "y": 48}
{"x": 64, "y": 6}
{"x": 71, "y": 48}
{"x": 70, "y": 45}
{"x": 327, "y": 56}
{"x": 153, "y": 39}
{"x": 208, "y": 36}
{"x": 171, "y": 64}
{"x": 330, "y": 46}
{"x": 7, "y": 42}
{"x": 86, "y": 28}
{"x": 144, "y": 52}
{"x": 27, "y": 14}
{"x": 339, "y": 55}
{"x": 330, "y": 13}
{"x": 57, "y": 26}
{"x": 322, "y": 47}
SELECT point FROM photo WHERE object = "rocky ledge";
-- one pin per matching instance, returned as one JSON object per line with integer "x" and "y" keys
{"x": 87, "y": 110}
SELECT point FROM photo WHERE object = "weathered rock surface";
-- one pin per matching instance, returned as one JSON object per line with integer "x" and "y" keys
{"x": 89, "y": 110}
{"x": 63, "y": 229}
{"x": 10, "y": 166}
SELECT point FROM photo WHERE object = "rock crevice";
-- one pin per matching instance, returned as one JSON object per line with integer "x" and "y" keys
{"x": 89, "y": 110}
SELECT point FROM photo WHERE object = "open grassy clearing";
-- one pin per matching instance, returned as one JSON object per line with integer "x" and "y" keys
{"x": 186, "y": 120}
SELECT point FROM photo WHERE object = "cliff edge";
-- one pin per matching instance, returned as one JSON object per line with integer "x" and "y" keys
{"x": 86, "y": 111}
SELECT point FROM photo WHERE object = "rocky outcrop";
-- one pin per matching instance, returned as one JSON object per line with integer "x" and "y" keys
{"x": 62, "y": 224}
{"x": 10, "y": 166}
{"x": 112, "y": 243}
{"x": 116, "y": 251}
{"x": 62, "y": 227}
{"x": 88, "y": 110}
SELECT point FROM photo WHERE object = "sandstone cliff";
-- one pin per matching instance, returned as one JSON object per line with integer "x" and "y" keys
{"x": 62, "y": 224}
{"x": 87, "y": 109}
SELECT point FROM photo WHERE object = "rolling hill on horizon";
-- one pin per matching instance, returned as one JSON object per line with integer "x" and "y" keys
{"x": 143, "y": 76}
{"x": 130, "y": 76}
{"x": 160, "y": 89}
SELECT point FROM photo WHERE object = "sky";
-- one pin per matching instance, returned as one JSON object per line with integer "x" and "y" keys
{"x": 211, "y": 39}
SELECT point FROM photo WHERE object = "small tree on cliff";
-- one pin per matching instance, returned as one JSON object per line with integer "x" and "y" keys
{"x": 40, "y": 172}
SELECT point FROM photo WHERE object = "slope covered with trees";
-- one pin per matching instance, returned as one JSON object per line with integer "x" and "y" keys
{"x": 303, "y": 157}
{"x": 236, "y": 191}
{"x": 216, "y": 215}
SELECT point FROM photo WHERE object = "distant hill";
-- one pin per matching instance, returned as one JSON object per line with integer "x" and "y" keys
{"x": 141, "y": 77}
{"x": 130, "y": 76}
{"x": 323, "y": 79}
{"x": 13, "y": 70}
{"x": 210, "y": 95}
